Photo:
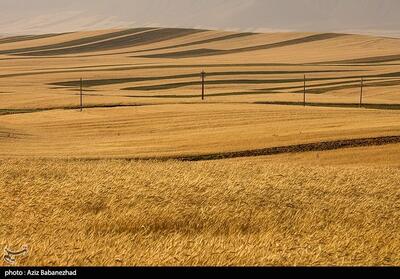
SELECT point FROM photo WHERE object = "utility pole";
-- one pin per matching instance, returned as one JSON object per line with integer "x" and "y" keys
{"x": 203, "y": 76}
{"x": 81, "y": 94}
{"x": 304, "y": 93}
{"x": 361, "y": 92}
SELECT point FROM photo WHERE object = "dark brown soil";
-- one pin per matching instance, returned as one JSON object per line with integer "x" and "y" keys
{"x": 308, "y": 147}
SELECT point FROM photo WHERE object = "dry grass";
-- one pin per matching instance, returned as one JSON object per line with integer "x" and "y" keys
{"x": 320, "y": 208}
{"x": 235, "y": 212}
{"x": 183, "y": 129}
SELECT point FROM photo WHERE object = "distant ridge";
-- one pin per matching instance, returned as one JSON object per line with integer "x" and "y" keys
{"x": 374, "y": 17}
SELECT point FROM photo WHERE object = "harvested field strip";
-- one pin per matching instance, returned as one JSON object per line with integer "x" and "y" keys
{"x": 99, "y": 82}
{"x": 218, "y": 39}
{"x": 310, "y": 104}
{"x": 211, "y": 52}
{"x": 84, "y": 67}
{"x": 174, "y": 96}
{"x": 300, "y": 148}
{"x": 188, "y": 53}
{"x": 372, "y": 60}
{"x": 74, "y": 43}
{"x": 259, "y": 81}
{"x": 330, "y": 86}
{"x": 149, "y": 37}
{"x": 264, "y": 92}
{"x": 151, "y": 66}
{"x": 349, "y": 85}
{"x": 209, "y": 82}
{"x": 119, "y": 68}
{"x": 237, "y": 81}
{"x": 17, "y": 39}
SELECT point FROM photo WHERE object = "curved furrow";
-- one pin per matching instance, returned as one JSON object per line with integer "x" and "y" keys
{"x": 137, "y": 39}
{"x": 340, "y": 85}
{"x": 17, "y": 39}
{"x": 212, "y": 40}
{"x": 99, "y": 82}
{"x": 78, "y": 42}
{"x": 212, "y": 52}
{"x": 299, "y": 148}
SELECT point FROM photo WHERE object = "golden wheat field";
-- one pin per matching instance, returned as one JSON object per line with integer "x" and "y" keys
{"x": 149, "y": 174}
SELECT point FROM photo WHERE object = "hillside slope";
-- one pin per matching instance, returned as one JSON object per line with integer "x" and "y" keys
{"x": 148, "y": 65}
{"x": 136, "y": 80}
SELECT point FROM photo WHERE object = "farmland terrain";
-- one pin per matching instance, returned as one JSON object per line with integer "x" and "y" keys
{"x": 150, "y": 174}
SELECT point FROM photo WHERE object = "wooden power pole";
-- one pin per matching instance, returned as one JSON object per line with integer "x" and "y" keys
{"x": 304, "y": 92}
{"x": 361, "y": 92}
{"x": 203, "y": 77}
{"x": 81, "y": 94}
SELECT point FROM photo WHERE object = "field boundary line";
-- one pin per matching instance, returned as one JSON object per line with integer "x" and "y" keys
{"x": 270, "y": 151}
{"x": 299, "y": 148}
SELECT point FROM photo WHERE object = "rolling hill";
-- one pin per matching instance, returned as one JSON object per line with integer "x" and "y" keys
{"x": 150, "y": 174}
{"x": 163, "y": 64}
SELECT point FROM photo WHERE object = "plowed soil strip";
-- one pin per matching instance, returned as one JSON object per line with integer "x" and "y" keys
{"x": 308, "y": 147}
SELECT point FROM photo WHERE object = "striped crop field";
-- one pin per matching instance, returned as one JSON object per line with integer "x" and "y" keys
{"x": 292, "y": 158}
{"x": 159, "y": 65}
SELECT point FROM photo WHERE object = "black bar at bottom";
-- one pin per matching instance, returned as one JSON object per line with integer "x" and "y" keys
{"x": 116, "y": 272}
